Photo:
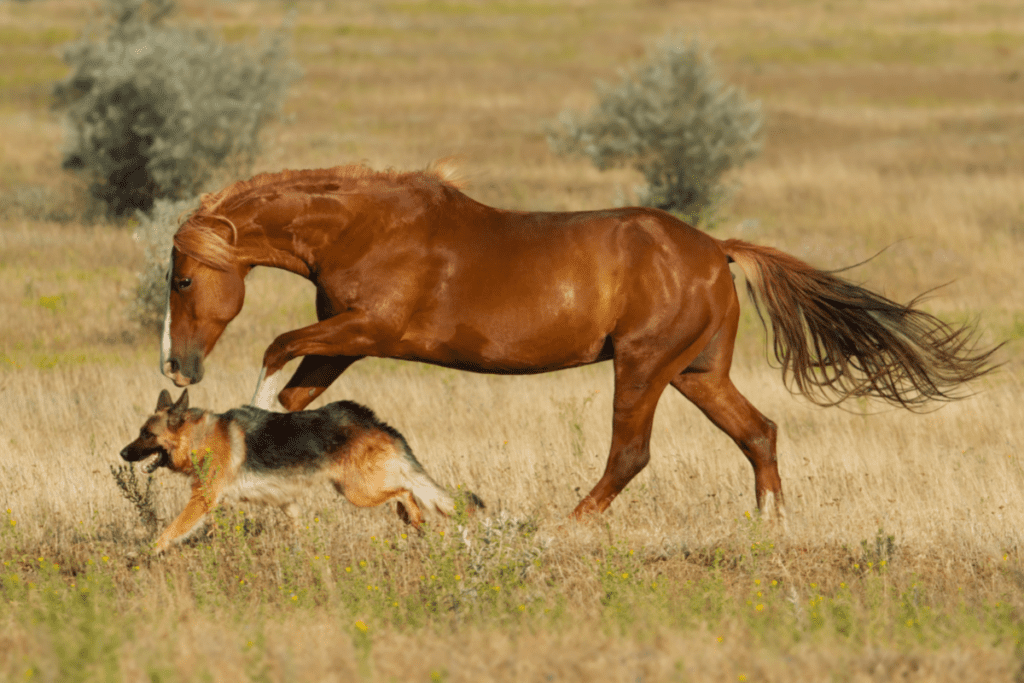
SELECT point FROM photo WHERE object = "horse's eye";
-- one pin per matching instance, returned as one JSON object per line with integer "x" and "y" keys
{"x": 184, "y": 283}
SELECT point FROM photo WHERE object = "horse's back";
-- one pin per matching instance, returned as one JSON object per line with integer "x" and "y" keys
{"x": 620, "y": 237}
{"x": 531, "y": 292}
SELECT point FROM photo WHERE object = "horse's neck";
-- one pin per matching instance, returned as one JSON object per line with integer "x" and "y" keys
{"x": 272, "y": 247}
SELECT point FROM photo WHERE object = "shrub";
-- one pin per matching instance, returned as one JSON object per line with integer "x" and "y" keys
{"x": 155, "y": 233}
{"x": 675, "y": 121}
{"x": 154, "y": 111}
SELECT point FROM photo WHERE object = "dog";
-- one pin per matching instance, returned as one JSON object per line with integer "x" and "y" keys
{"x": 261, "y": 456}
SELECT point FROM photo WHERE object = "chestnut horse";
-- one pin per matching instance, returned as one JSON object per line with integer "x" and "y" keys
{"x": 407, "y": 266}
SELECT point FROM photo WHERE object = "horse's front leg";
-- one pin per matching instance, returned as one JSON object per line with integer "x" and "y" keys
{"x": 329, "y": 347}
{"x": 313, "y": 376}
{"x": 315, "y": 373}
{"x": 266, "y": 389}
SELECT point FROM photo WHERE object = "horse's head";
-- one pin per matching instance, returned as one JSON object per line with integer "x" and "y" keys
{"x": 202, "y": 299}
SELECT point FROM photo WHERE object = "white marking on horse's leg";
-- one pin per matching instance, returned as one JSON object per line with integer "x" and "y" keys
{"x": 267, "y": 389}
{"x": 165, "y": 340}
{"x": 773, "y": 509}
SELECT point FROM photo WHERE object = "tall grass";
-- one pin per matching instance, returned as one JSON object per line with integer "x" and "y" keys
{"x": 904, "y": 533}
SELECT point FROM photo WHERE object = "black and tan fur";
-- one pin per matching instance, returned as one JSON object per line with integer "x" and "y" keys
{"x": 260, "y": 456}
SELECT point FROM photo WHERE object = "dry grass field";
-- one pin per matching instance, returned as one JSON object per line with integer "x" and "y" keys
{"x": 895, "y": 122}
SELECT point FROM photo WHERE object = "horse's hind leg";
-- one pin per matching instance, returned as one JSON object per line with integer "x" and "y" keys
{"x": 731, "y": 412}
{"x": 630, "y": 449}
{"x": 705, "y": 382}
{"x": 639, "y": 383}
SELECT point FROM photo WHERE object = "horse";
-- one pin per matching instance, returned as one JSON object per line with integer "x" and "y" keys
{"x": 407, "y": 266}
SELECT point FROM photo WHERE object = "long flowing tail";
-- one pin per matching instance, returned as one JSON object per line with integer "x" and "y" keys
{"x": 835, "y": 340}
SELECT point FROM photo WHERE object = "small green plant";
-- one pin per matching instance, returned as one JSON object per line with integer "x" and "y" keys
{"x": 155, "y": 111}
{"x": 206, "y": 470}
{"x": 621, "y": 587}
{"x": 1016, "y": 330}
{"x": 9, "y": 531}
{"x": 143, "y": 499}
{"x": 762, "y": 545}
{"x": 881, "y": 551}
{"x": 675, "y": 121}
{"x": 56, "y": 303}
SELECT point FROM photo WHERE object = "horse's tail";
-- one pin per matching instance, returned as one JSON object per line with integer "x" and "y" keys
{"x": 835, "y": 340}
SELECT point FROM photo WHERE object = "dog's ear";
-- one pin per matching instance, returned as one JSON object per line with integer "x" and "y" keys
{"x": 165, "y": 400}
{"x": 181, "y": 406}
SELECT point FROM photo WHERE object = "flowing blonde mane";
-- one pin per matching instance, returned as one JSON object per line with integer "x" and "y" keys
{"x": 206, "y": 245}
{"x": 203, "y": 235}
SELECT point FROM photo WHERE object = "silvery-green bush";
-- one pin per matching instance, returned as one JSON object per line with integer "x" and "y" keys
{"x": 673, "y": 119}
{"x": 154, "y": 111}
{"x": 155, "y": 234}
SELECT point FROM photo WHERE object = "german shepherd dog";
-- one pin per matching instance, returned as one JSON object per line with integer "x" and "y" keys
{"x": 261, "y": 456}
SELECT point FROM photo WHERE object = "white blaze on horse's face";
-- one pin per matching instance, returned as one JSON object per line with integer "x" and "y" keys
{"x": 165, "y": 338}
{"x": 201, "y": 301}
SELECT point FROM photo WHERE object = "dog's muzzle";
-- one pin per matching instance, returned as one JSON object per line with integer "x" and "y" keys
{"x": 152, "y": 460}
{"x": 153, "y": 463}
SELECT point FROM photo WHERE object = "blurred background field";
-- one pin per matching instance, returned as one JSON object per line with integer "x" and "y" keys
{"x": 888, "y": 124}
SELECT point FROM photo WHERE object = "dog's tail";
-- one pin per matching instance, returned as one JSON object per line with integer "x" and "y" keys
{"x": 428, "y": 494}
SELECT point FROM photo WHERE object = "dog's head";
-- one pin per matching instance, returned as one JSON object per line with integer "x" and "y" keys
{"x": 159, "y": 436}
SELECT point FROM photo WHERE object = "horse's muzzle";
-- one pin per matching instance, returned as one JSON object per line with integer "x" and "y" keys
{"x": 184, "y": 374}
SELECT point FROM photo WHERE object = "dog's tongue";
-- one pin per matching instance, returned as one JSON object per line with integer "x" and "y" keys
{"x": 151, "y": 463}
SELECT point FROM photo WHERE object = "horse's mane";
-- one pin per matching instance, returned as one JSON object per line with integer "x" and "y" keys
{"x": 201, "y": 236}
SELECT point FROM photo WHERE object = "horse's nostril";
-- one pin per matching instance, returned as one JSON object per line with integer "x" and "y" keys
{"x": 172, "y": 366}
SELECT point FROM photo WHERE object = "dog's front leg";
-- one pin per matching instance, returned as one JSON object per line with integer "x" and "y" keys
{"x": 201, "y": 502}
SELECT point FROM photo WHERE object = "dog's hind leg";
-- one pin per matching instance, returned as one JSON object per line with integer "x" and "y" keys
{"x": 360, "y": 495}
{"x": 379, "y": 467}
{"x": 408, "y": 511}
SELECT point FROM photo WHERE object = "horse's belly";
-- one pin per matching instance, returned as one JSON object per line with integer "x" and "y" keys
{"x": 516, "y": 346}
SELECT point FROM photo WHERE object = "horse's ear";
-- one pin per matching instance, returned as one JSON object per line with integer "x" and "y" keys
{"x": 164, "y": 401}
{"x": 182, "y": 405}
